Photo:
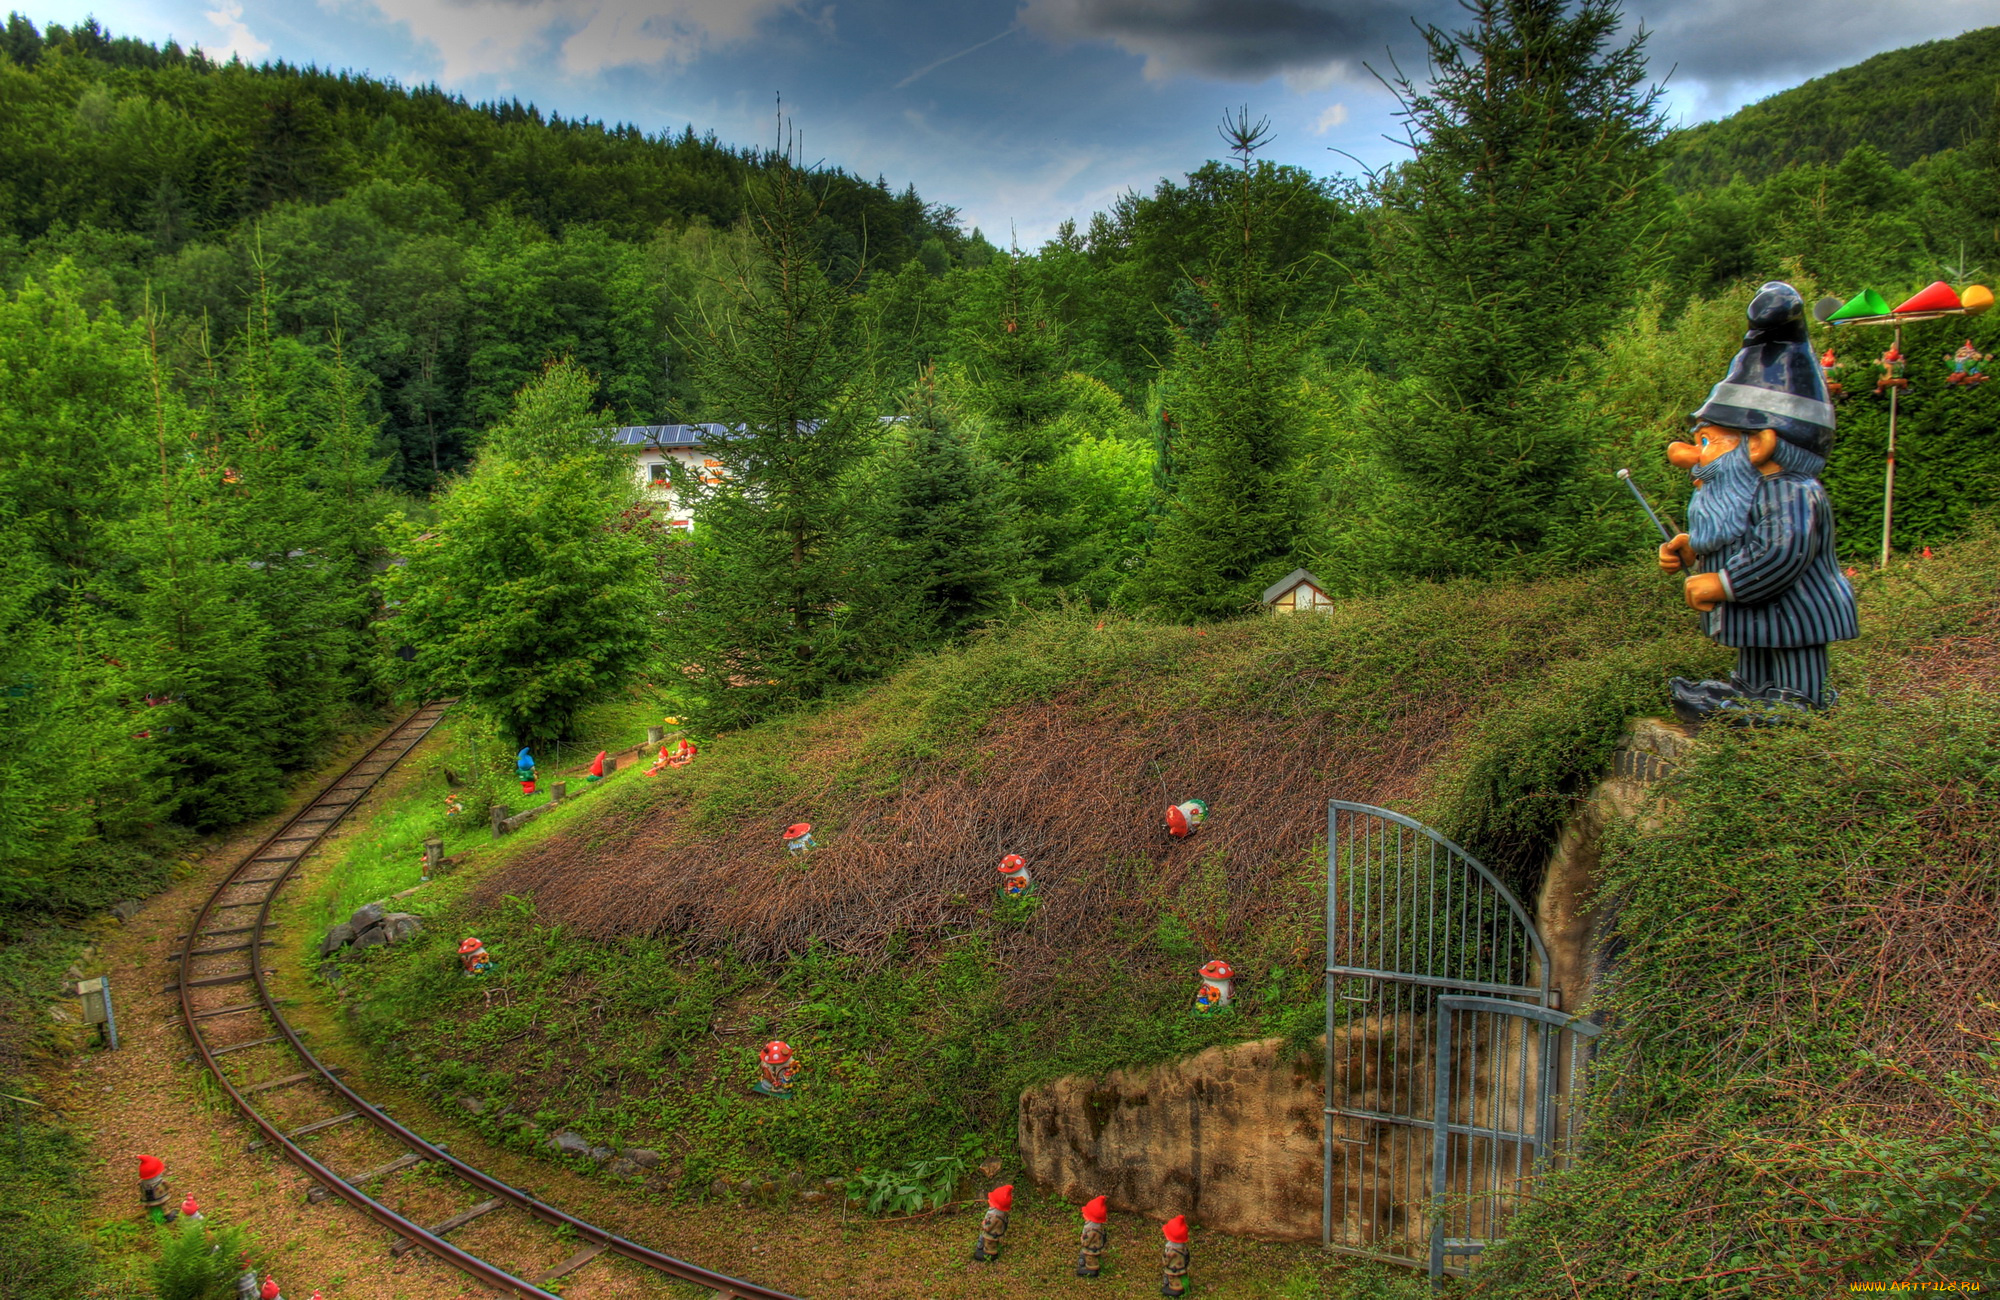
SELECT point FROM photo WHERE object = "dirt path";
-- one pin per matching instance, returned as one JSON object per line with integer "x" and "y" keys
{"x": 152, "y": 1097}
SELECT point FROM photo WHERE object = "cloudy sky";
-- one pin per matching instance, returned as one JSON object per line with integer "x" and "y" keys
{"x": 1019, "y": 113}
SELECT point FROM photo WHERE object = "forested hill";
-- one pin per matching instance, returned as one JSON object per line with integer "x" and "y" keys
{"x": 115, "y": 133}
{"x": 1907, "y": 103}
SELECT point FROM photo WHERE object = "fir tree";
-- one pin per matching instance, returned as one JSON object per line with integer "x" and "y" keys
{"x": 537, "y": 592}
{"x": 776, "y": 605}
{"x": 1232, "y": 519}
{"x": 953, "y": 545}
{"x": 1510, "y": 243}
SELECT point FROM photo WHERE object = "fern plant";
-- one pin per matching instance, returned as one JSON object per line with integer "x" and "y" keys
{"x": 199, "y": 1262}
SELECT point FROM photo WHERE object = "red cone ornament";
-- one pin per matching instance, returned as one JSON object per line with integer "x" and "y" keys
{"x": 1936, "y": 296}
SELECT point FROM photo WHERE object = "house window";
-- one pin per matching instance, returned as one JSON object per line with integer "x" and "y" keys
{"x": 657, "y": 471}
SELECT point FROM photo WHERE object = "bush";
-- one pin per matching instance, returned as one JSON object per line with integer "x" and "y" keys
{"x": 199, "y": 1261}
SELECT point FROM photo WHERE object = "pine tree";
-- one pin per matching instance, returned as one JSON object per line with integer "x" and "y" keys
{"x": 1510, "y": 243}
{"x": 776, "y": 605}
{"x": 1231, "y": 522}
{"x": 953, "y": 548}
{"x": 537, "y": 592}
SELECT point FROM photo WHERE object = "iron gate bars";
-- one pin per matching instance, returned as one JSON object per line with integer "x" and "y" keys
{"x": 1410, "y": 918}
{"x": 1498, "y": 1125}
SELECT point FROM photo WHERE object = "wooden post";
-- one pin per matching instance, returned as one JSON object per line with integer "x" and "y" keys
{"x": 433, "y": 856}
{"x": 656, "y": 735}
{"x": 499, "y": 817}
{"x": 558, "y": 791}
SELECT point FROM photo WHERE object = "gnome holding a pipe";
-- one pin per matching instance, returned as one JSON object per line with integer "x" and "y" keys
{"x": 1759, "y": 551}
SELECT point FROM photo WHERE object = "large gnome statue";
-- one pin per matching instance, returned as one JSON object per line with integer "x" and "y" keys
{"x": 1759, "y": 546}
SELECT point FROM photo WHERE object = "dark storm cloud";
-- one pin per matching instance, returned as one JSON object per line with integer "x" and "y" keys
{"x": 1237, "y": 40}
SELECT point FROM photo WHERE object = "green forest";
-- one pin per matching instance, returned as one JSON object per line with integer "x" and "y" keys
{"x": 308, "y": 383}
{"x": 270, "y": 328}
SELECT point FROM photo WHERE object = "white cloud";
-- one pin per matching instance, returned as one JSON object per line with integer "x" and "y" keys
{"x": 1331, "y": 116}
{"x": 237, "y": 38}
{"x": 489, "y": 37}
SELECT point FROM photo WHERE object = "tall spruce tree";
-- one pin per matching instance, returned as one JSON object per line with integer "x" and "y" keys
{"x": 776, "y": 605}
{"x": 537, "y": 592}
{"x": 1509, "y": 244}
{"x": 951, "y": 531}
{"x": 1231, "y": 520}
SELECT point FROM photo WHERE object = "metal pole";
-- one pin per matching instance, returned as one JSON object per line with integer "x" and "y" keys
{"x": 1889, "y": 477}
{"x": 111, "y": 1020}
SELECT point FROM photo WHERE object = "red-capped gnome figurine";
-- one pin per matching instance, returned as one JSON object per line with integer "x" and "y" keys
{"x": 1014, "y": 877}
{"x": 994, "y": 1226}
{"x": 1095, "y": 1238}
{"x": 153, "y": 1186}
{"x": 1175, "y": 1255}
{"x": 775, "y": 1068}
{"x": 269, "y": 1291}
{"x": 1183, "y": 818}
{"x": 596, "y": 768}
{"x": 1759, "y": 549}
{"x": 189, "y": 1210}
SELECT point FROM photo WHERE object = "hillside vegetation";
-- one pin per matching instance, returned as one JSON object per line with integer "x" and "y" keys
{"x": 1906, "y": 103}
{"x": 1780, "y": 935}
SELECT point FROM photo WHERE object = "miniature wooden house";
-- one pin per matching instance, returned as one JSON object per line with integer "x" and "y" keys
{"x": 1295, "y": 593}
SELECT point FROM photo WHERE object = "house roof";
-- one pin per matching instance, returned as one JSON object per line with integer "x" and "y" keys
{"x": 664, "y": 435}
{"x": 1289, "y": 581}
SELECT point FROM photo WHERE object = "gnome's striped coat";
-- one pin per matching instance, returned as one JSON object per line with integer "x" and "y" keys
{"x": 1785, "y": 590}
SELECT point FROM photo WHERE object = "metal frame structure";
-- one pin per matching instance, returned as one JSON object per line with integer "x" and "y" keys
{"x": 1413, "y": 921}
{"x": 285, "y": 850}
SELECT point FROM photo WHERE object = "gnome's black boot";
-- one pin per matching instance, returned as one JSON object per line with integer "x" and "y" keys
{"x": 1737, "y": 704}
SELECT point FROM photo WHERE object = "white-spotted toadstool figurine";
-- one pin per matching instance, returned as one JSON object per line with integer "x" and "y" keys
{"x": 1175, "y": 1255}
{"x": 799, "y": 837}
{"x": 1182, "y": 818}
{"x": 993, "y": 1227}
{"x": 1095, "y": 1238}
{"x": 1214, "y": 991}
{"x": 775, "y": 1068}
{"x": 1014, "y": 877}
{"x": 473, "y": 954}
{"x": 189, "y": 1210}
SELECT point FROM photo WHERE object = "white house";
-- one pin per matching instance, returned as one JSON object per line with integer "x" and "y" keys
{"x": 654, "y": 447}
{"x": 1296, "y": 593}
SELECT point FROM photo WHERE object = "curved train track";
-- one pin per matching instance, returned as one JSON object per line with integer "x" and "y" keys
{"x": 218, "y": 1031}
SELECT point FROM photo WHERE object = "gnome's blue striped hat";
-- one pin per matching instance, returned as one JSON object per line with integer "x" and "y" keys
{"x": 1775, "y": 382}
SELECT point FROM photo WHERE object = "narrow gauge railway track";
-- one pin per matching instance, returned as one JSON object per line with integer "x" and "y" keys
{"x": 260, "y": 1027}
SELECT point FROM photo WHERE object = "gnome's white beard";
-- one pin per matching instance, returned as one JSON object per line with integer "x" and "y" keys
{"x": 1719, "y": 515}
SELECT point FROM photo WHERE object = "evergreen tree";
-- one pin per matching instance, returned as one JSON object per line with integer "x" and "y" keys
{"x": 538, "y": 591}
{"x": 1509, "y": 244}
{"x": 952, "y": 535}
{"x": 1231, "y": 522}
{"x": 776, "y": 605}
{"x": 1011, "y": 344}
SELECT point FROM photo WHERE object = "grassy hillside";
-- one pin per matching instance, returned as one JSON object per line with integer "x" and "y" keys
{"x": 1907, "y": 103}
{"x": 1779, "y": 933}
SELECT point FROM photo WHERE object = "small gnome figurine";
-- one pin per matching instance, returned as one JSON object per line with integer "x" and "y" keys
{"x": 1891, "y": 365}
{"x": 682, "y": 754}
{"x": 1014, "y": 877}
{"x": 153, "y": 1187}
{"x": 473, "y": 954}
{"x": 246, "y": 1282}
{"x": 1174, "y": 1272}
{"x": 798, "y": 837}
{"x": 269, "y": 1291}
{"x": 1216, "y": 978}
{"x": 1829, "y": 363}
{"x": 1182, "y": 818}
{"x": 775, "y": 1068}
{"x": 1095, "y": 1238}
{"x": 596, "y": 767}
{"x": 1965, "y": 366}
{"x": 994, "y": 1226}
{"x": 189, "y": 1210}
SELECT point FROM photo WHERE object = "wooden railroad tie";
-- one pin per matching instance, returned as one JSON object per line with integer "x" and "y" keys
{"x": 574, "y": 1262}
{"x": 289, "y": 1079}
{"x": 404, "y": 1245}
{"x": 217, "y": 952}
{"x": 304, "y": 1129}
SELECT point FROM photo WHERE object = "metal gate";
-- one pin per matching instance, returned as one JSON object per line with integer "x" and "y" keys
{"x": 1439, "y": 1017}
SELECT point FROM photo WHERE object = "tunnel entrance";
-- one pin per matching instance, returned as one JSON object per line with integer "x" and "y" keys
{"x": 1451, "y": 1071}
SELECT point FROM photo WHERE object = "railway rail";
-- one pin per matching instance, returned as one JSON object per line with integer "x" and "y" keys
{"x": 259, "y": 1028}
